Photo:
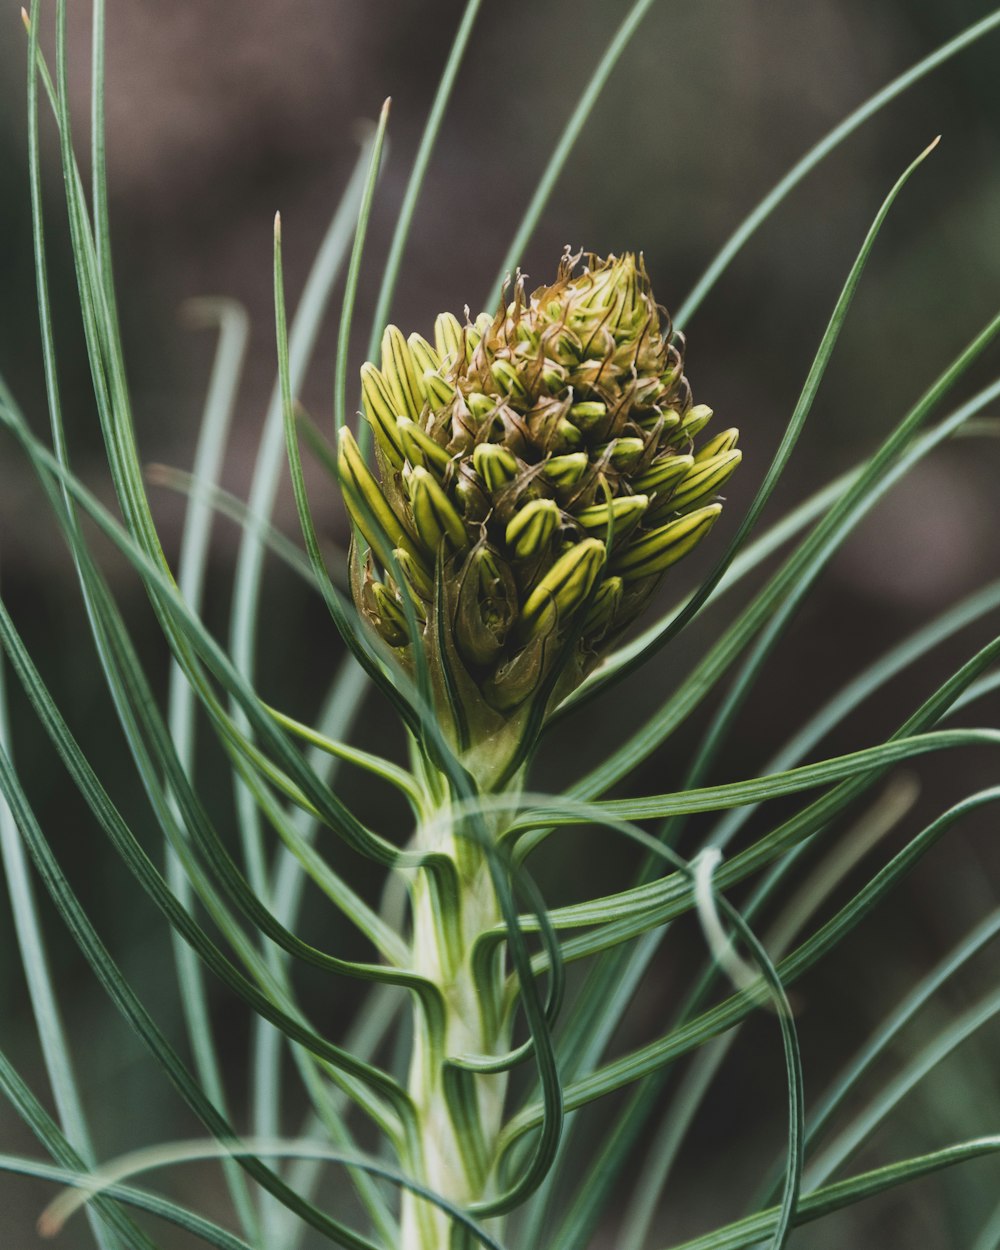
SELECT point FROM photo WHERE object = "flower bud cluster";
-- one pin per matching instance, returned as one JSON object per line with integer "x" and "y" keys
{"x": 538, "y": 471}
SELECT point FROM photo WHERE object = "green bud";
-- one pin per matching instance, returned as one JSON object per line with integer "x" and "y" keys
{"x": 565, "y": 470}
{"x": 439, "y": 392}
{"x": 705, "y": 478}
{"x": 507, "y": 378}
{"x": 564, "y": 587}
{"x": 420, "y": 449}
{"x": 449, "y": 339}
{"x": 434, "y": 517}
{"x": 666, "y": 421}
{"x": 481, "y": 406}
{"x": 416, "y": 576}
{"x": 532, "y": 527}
{"x": 587, "y": 414}
{"x": 622, "y": 453}
{"x": 381, "y": 410}
{"x": 495, "y": 465}
{"x": 725, "y": 441}
{"x": 476, "y": 332}
{"x": 368, "y": 507}
{"x": 603, "y": 608}
{"x": 627, "y": 511}
{"x": 400, "y": 375}
{"x": 695, "y": 419}
{"x": 386, "y": 613}
{"x": 514, "y": 451}
{"x": 425, "y": 358}
{"x": 664, "y": 473}
{"x": 487, "y": 606}
{"x": 553, "y": 375}
{"x": 657, "y": 549}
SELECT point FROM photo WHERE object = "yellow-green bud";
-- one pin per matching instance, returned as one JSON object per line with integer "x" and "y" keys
{"x": 725, "y": 441}
{"x": 627, "y": 511}
{"x": 420, "y": 449}
{"x": 513, "y": 451}
{"x": 588, "y": 414}
{"x": 495, "y": 465}
{"x": 656, "y": 550}
{"x": 416, "y": 575}
{"x": 623, "y": 453}
{"x": 507, "y": 378}
{"x": 532, "y": 527}
{"x": 426, "y": 359}
{"x": 695, "y": 419}
{"x": 603, "y": 608}
{"x": 434, "y": 517}
{"x": 367, "y": 504}
{"x": 400, "y": 375}
{"x": 386, "y": 613}
{"x": 381, "y": 410}
{"x": 664, "y": 474}
{"x": 449, "y": 339}
{"x": 564, "y": 587}
{"x": 565, "y": 471}
{"x": 705, "y": 478}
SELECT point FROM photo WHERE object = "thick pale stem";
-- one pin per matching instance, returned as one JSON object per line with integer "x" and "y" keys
{"x": 456, "y": 1147}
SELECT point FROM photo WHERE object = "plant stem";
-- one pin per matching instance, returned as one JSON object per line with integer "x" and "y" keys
{"x": 460, "y": 1121}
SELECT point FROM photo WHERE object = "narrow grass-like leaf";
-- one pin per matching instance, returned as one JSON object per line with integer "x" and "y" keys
{"x": 414, "y": 185}
{"x": 133, "y": 1011}
{"x": 800, "y": 413}
{"x": 759, "y": 789}
{"x": 205, "y": 1230}
{"x": 567, "y": 140}
{"x": 234, "y": 329}
{"x": 398, "y": 777}
{"x": 354, "y": 272}
{"x": 230, "y": 506}
{"x": 52, "y": 1036}
{"x": 893, "y": 1090}
{"x": 821, "y": 150}
{"x": 681, "y": 1040}
{"x": 775, "y": 604}
{"x": 980, "y": 937}
{"x": 170, "y": 1154}
{"x": 755, "y": 1228}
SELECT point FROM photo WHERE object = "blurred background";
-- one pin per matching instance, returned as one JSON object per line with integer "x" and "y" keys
{"x": 220, "y": 114}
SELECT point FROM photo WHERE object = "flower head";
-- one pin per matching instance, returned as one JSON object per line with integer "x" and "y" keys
{"x": 537, "y": 473}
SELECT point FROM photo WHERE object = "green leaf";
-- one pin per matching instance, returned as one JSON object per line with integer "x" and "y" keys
{"x": 821, "y": 150}
{"x": 753, "y": 1229}
{"x": 783, "y": 454}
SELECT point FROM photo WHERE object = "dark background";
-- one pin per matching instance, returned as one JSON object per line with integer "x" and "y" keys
{"x": 220, "y": 114}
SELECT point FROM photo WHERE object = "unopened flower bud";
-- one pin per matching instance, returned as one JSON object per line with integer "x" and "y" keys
{"x": 705, "y": 478}
{"x": 434, "y": 516}
{"x": 400, "y": 375}
{"x": 657, "y": 549}
{"x": 532, "y": 527}
{"x": 495, "y": 465}
{"x": 564, "y": 587}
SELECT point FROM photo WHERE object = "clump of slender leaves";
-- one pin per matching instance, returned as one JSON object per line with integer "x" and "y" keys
{"x": 558, "y": 980}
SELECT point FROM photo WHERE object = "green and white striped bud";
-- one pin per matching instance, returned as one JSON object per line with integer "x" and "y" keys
{"x": 434, "y": 516}
{"x": 658, "y": 549}
{"x": 705, "y": 478}
{"x": 512, "y": 452}
{"x": 564, "y": 587}
{"x": 529, "y": 532}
